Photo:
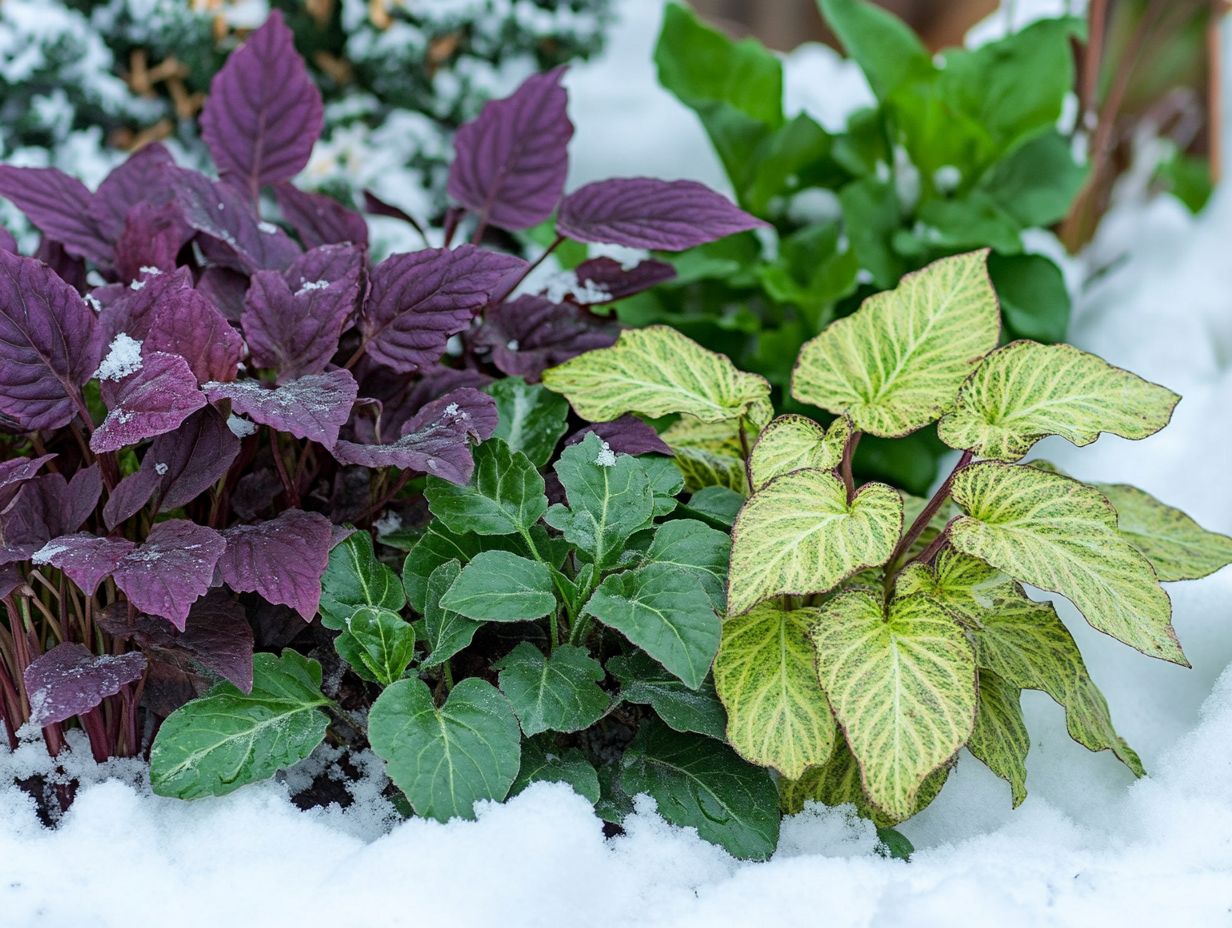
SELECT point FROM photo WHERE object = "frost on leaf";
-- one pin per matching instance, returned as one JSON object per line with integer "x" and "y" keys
{"x": 123, "y": 358}
{"x": 69, "y": 680}
{"x": 171, "y": 570}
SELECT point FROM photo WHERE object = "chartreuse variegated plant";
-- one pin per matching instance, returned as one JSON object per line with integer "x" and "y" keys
{"x": 870, "y": 635}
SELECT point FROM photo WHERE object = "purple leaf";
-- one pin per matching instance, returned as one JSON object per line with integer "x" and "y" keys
{"x": 151, "y": 236}
{"x": 626, "y": 435}
{"x": 609, "y": 277}
{"x": 399, "y": 398}
{"x": 282, "y": 559}
{"x": 46, "y": 507}
{"x": 69, "y": 268}
{"x": 85, "y": 559}
{"x": 148, "y": 401}
{"x": 15, "y": 472}
{"x": 643, "y": 212}
{"x": 530, "y": 334}
{"x": 69, "y": 680}
{"x": 225, "y": 288}
{"x": 320, "y": 220}
{"x": 50, "y": 344}
{"x": 10, "y": 579}
{"x": 419, "y": 300}
{"x": 234, "y": 235}
{"x": 174, "y": 567}
{"x": 313, "y": 407}
{"x": 141, "y": 179}
{"x": 375, "y": 206}
{"x": 59, "y": 205}
{"x": 188, "y": 325}
{"x": 80, "y": 496}
{"x": 7, "y": 242}
{"x": 217, "y": 636}
{"x": 437, "y": 440}
{"x": 263, "y": 114}
{"x": 510, "y": 163}
{"x": 131, "y": 309}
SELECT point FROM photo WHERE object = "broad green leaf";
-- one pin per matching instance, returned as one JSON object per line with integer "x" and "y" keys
{"x": 701, "y": 783}
{"x": 1035, "y": 301}
{"x": 542, "y": 762}
{"x": 895, "y": 364}
{"x": 447, "y": 759}
{"x": 1000, "y": 738}
{"x": 902, "y": 687}
{"x": 884, "y": 47}
{"x": 228, "y": 738}
{"x": 436, "y": 546}
{"x": 965, "y": 587}
{"x": 656, "y": 372}
{"x": 1037, "y": 182}
{"x": 666, "y": 482}
{"x": 1059, "y": 535}
{"x": 497, "y": 586}
{"x": 384, "y": 643}
{"x": 1025, "y": 391}
{"x": 505, "y": 495}
{"x": 717, "y": 506}
{"x": 666, "y": 612}
{"x": 645, "y": 682}
{"x": 531, "y": 419}
{"x": 871, "y": 215}
{"x": 1177, "y": 546}
{"x": 353, "y": 578}
{"x": 695, "y": 547}
{"x": 447, "y": 632}
{"x": 609, "y": 499}
{"x": 799, "y": 535}
{"x": 777, "y": 715}
{"x": 555, "y": 693}
{"x": 794, "y": 442}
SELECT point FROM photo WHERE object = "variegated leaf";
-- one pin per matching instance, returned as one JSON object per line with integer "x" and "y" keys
{"x": 1177, "y": 546}
{"x": 709, "y": 454}
{"x": 1000, "y": 740}
{"x": 793, "y": 442}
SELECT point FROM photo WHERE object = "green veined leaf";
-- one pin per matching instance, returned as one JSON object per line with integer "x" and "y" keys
{"x": 794, "y": 442}
{"x": 884, "y": 47}
{"x": 497, "y": 586}
{"x": 556, "y": 693}
{"x": 666, "y": 482}
{"x": 694, "y": 546}
{"x": 446, "y": 759}
{"x": 531, "y": 419}
{"x": 1177, "y": 546}
{"x": 895, "y": 364}
{"x": 447, "y": 632}
{"x": 717, "y": 506}
{"x": 542, "y": 762}
{"x": 708, "y": 454}
{"x": 701, "y": 783}
{"x": 965, "y": 587}
{"x": 902, "y": 687}
{"x": 1000, "y": 738}
{"x": 666, "y": 612}
{"x": 227, "y": 738}
{"x": 384, "y": 643}
{"x": 799, "y": 535}
{"x": 1025, "y": 391}
{"x": 1059, "y": 535}
{"x": 436, "y": 546}
{"x": 777, "y": 715}
{"x": 644, "y": 682}
{"x": 353, "y": 578}
{"x": 656, "y": 372}
{"x": 505, "y": 495}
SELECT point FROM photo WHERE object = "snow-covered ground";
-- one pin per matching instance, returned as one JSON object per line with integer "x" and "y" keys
{"x": 1089, "y": 847}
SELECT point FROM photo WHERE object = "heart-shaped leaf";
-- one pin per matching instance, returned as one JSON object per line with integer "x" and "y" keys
{"x": 498, "y": 586}
{"x": 85, "y": 559}
{"x": 794, "y": 442}
{"x": 531, "y": 419}
{"x": 378, "y": 641}
{"x": 354, "y": 577}
{"x": 554, "y": 693}
{"x": 313, "y": 407}
{"x": 171, "y": 570}
{"x": 447, "y": 632}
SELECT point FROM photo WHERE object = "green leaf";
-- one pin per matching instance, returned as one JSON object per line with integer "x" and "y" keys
{"x": 695, "y": 547}
{"x": 354, "y": 578}
{"x": 531, "y": 419}
{"x": 799, "y": 535}
{"x": 1035, "y": 300}
{"x": 643, "y": 681}
{"x": 1026, "y": 391}
{"x": 656, "y": 372}
{"x": 665, "y": 479}
{"x": 384, "y": 643}
{"x": 700, "y": 783}
{"x": 228, "y": 738}
{"x": 542, "y": 762}
{"x": 497, "y": 586}
{"x": 447, "y": 632}
{"x": 777, "y": 715}
{"x": 505, "y": 495}
{"x": 1177, "y": 546}
{"x": 784, "y": 161}
{"x": 872, "y": 214}
{"x": 666, "y": 612}
{"x": 902, "y": 687}
{"x": 794, "y": 442}
{"x": 446, "y": 759}
{"x": 609, "y": 496}
{"x": 1000, "y": 738}
{"x": 884, "y": 47}
{"x": 895, "y": 364}
{"x": 1059, "y": 535}
{"x": 718, "y": 506}
{"x": 436, "y": 546}
{"x": 1037, "y": 182}
{"x": 555, "y": 693}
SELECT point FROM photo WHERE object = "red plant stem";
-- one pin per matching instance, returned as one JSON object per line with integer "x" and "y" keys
{"x": 925, "y": 516}
{"x": 96, "y": 731}
{"x": 281, "y": 466}
{"x": 926, "y": 556}
{"x": 1096, "y": 21}
{"x": 386, "y": 497}
{"x": 556, "y": 243}
{"x": 849, "y": 453}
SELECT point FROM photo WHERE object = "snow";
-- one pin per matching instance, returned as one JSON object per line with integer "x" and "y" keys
{"x": 606, "y": 456}
{"x": 240, "y": 427}
{"x": 123, "y": 358}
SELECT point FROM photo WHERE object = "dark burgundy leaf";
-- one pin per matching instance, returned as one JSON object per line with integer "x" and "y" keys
{"x": 234, "y": 235}
{"x": 10, "y": 579}
{"x": 70, "y": 680}
{"x": 59, "y": 205}
{"x": 140, "y": 179}
{"x": 188, "y": 324}
{"x": 217, "y": 637}
{"x": 530, "y": 334}
{"x": 338, "y": 534}
{"x": 378, "y": 207}
{"x": 282, "y": 559}
{"x": 46, "y": 507}
{"x": 85, "y": 559}
{"x": 615, "y": 282}
{"x": 225, "y": 288}
{"x": 255, "y": 492}
{"x": 627, "y": 435}
{"x": 263, "y": 113}
{"x": 510, "y": 163}
{"x": 131, "y": 309}
{"x": 15, "y": 472}
{"x": 419, "y": 300}
{"x": 69, "y": 268}
{"x": 644, "y": 212}
{"x": 437, "y": 440}
{"x": 396, "y": 398}
{"x": 80, "y": 497}
{"x": 50, "y": 344}
{"x": 7, "y": 242}
{"x": 174, "y": 567}
{"x": 151, "y": 237}
{"x": 152, "y": 400}
{"x": 130, "y": 494}
{"x": 320, "y": 220}
{"x": 312, "y": 407}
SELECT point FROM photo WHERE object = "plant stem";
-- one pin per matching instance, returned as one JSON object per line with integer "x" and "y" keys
{"x": 849, "y": 452}
{"x": 556, "y": 243}
{"x": 922, "y": 520}
{"x": 746, "y": 453}
{"x": 281, "y": 466}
